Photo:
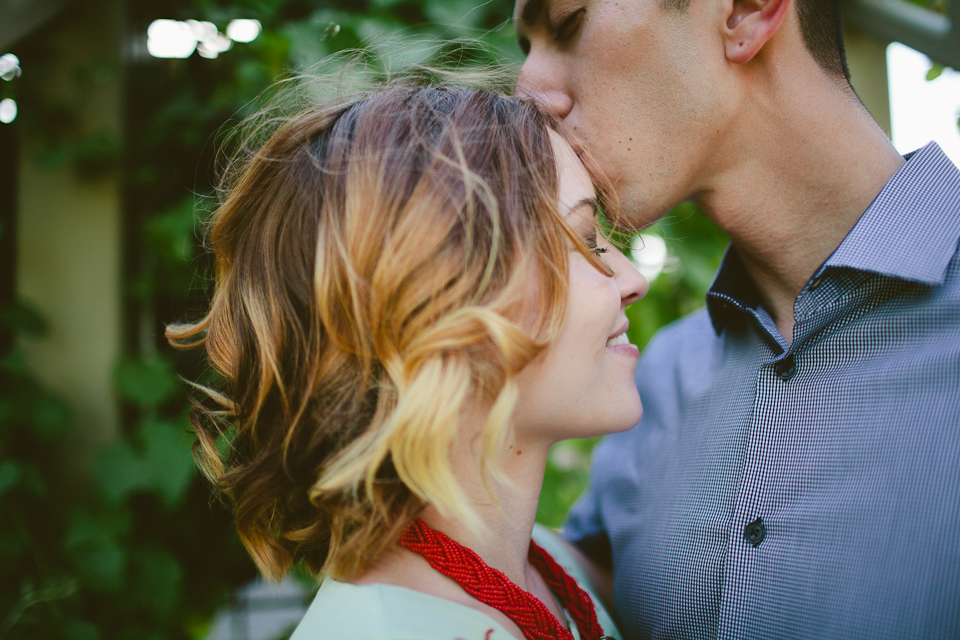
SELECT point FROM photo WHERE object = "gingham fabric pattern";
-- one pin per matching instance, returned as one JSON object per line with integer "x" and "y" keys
{"x": 809, "y": 490}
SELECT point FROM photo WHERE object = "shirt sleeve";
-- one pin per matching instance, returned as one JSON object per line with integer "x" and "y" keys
{"x": 585, "y": 527}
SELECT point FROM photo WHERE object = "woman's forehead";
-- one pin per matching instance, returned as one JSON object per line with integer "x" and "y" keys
{"x": 575, "y": 184}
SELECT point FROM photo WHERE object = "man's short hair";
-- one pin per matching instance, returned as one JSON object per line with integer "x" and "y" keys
{"x": 822, "y": 33}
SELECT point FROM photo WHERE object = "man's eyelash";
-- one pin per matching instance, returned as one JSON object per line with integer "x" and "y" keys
{"x": 600, "y": 250}
{"x": 566, "y": 28}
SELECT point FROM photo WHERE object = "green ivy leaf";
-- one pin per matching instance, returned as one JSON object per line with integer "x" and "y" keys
{"x": 95, "y": 155}
{"x": 139, "y": 633}
{"x": 120, "y": 471}
{"x": 51, "y": 415}
{"x": 164, "y": 465}
{"x": 9, "y": 476}
{"x": 93, "y": 548}
{"x": 172, "y": 233}
{"x": 79, "y": 630}
{"x": 147, "y": 382}
{"x": 14, "y": 363}
{"x": 31, "y": 480}
{"x": 25, "y": 320}
{"x": 155, "y": 582}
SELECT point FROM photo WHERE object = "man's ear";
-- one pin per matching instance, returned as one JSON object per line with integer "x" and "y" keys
{"x": 750, "y": 24}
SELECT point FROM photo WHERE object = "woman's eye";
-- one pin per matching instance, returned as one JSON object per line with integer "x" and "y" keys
{"x": 568, "y": 27}
{"x": 593, "y": 244}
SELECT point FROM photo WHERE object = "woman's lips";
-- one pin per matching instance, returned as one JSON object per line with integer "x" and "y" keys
{"x": 621, "y": 344}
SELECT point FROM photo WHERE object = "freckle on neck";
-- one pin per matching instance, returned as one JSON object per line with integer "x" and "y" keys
{"x": 519, "y": 451}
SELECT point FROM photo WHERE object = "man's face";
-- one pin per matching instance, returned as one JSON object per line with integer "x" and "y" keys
{"x": 640, "y": 84}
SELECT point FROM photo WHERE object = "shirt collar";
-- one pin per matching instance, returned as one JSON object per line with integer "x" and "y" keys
{"x": 732, "y": 290}
{"x": 912, "y": 228}
{"x": 910, "y": 231}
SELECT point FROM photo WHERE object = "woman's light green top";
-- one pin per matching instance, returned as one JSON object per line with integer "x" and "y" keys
{"x": 344, "y": 611}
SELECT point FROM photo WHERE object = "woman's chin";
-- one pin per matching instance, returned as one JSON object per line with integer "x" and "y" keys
{"x": 630, "y": 424}
{"x": 623, "y": 421}
{"x": 633, "y": 411}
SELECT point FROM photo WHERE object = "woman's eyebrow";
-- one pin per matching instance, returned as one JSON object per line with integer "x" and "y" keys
{"x": 586, "y": 202}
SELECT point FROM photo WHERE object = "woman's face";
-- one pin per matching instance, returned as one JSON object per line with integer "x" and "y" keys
{"x": 582, "y": 384}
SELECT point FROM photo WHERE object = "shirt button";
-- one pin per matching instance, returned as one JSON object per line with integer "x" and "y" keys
{"x": 755, "y": 532}
{"x": 785, "y": 369}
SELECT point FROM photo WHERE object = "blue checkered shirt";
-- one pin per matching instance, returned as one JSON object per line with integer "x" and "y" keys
{"x": 809, "y": 490}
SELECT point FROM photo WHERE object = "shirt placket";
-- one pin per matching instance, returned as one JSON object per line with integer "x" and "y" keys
{"x": 779, "y": 383}
{"x": 751, "y": 520}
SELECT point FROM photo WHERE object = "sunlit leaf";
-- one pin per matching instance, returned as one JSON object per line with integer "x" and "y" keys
{"x": 935, "y": 70}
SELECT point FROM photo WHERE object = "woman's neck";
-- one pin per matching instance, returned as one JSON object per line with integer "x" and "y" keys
{"x": 503, "y": 543}
{"x": 505, "y": 540}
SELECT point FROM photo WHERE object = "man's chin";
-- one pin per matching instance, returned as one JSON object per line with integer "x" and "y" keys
{"x": 637, "y": 213}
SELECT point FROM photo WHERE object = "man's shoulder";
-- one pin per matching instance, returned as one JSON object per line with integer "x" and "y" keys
{"x": 686, "y": 340}
{"x": 695, "y": 326}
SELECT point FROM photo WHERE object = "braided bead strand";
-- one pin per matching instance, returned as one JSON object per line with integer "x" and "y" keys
{"x": 494, "y": 589}
{"x": 577, "y": 602}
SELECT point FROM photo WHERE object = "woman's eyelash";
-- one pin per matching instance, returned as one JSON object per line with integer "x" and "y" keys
{"x": 594, "y": 246}
{"x": 568, "y": 27}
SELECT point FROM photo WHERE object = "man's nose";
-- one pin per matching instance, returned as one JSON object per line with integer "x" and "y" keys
{"x": 539, "y": 82}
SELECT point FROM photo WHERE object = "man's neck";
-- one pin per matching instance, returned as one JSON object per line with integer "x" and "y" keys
{"x": 794, "y": 187}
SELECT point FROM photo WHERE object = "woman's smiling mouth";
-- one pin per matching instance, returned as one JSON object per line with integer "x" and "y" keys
{"x": 618, "y": 340}
{"x": 622, "y": 345}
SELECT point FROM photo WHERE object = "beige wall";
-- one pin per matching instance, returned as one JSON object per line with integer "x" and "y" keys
{"x": 69, "y": 240}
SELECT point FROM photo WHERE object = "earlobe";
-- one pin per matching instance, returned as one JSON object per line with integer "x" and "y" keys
{"x": 750, "y": 24}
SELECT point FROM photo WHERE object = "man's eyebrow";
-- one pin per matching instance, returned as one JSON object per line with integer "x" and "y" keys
{"x": 531, "y": 12}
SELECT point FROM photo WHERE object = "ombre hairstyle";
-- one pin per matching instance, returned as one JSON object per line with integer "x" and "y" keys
{"x": 382, "y": 262}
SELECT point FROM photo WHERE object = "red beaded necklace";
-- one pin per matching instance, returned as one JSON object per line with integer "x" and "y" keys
{"x": 494, "y": 589}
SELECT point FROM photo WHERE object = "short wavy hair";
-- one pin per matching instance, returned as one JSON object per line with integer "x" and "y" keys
{"x": 375, "y": 260}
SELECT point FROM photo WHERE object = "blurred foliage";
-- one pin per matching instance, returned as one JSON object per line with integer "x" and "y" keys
{"x": 695, "y": 247}
{"x": 132, "y": 552}
{"x": 138, "y": 550}
{"x": 937, "y": 6}
{"x": 936, "y": 70}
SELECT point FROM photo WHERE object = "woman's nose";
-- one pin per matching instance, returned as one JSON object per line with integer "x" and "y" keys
{"x": 633, "y": 286}
{"x": 539, "y": 82}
